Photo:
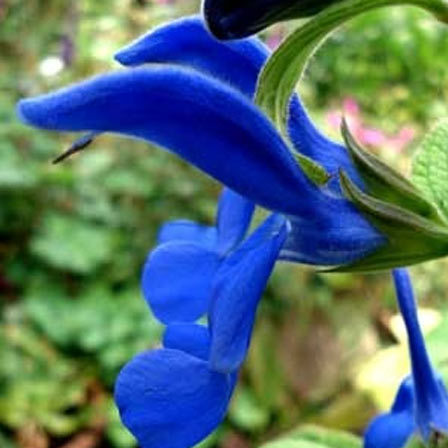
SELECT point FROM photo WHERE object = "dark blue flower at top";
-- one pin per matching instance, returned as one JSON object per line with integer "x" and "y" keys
{"x": 192, "y": 94}
{"x": 421, "y": 404}
{"x": 233, "y": 19}
{"x": 175, "y": 396}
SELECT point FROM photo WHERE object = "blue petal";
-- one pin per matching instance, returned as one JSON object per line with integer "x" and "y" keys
{"x": 334, "y": 240}
{"x": 204, "y": 121}
{"x": 431, "y": 397}
{"x": 189, "y": 338}
{"x": 239, "y": 285}
{"x": 188, "y": 231}
{"x": 234, "y": 216}
{"x": 405, "y": 398}
{"x": 170, "y": 399}
{"x": 187, "y": 41}
{"x": 177, "y": 279}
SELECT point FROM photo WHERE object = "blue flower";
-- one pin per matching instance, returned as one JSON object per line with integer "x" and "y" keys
{"x": 233, "y": 19}
{"x": 421, "y": 404}
{"x": 191, "y": 94}
{"x": 178, "y": 274}
{"x": 175, "y": 396}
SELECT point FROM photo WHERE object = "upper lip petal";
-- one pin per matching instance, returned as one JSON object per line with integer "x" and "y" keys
{"x": 206, "y": 122}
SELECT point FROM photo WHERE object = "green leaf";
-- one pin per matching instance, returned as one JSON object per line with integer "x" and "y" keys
{"x": 15, "y": 171}
{"x": 90, "y": 323}
{"x": 71, "y": 244}
{"x": 430, "y": 167}
{"x": 246, "y": 412}
{"x": 291, "y": 443}
{"x": 332, "y": 438}
{"x": 39, "y": 384}
{"x": 116, "y": 432}
{"x": 415, "y": 443}
{"x": 285, "y": 67}
{"x": 310, "y": 436}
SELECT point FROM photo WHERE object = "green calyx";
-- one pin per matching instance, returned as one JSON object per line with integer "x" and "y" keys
{"x": 315, "y": 172}
{"x": 415, "y": 226}
{"x": 413, "y": 218}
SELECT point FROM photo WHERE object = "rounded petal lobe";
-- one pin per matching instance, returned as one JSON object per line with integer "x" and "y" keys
{"x": 237, "y": 290}
{"x": 209, "y": 124}
{"x": 188, "y": 231}
{"x": 391, "y": 430}
{"x": 234, "y": 217}
{"x": 189, "y": 338}
{"x": 170, "y": 399}
{"x": 177, "y": 279}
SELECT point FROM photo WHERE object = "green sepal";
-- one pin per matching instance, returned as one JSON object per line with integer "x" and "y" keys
{"x": 383, "y": 182}
{"x": 411, "y": 238}
{"x": 315, "y": 172}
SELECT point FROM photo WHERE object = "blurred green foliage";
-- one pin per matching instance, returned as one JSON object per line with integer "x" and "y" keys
{"x": 315, "y": 437}
{"x": 73, "y": 238}
{"x": 392, "y": 61}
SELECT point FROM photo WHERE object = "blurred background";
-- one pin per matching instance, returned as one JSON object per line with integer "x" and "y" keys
{"x": 327, "y": 349}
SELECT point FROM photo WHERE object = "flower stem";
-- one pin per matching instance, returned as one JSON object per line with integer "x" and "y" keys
{"x": 284, "y": 69}
{"x": 425, "y": 382}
